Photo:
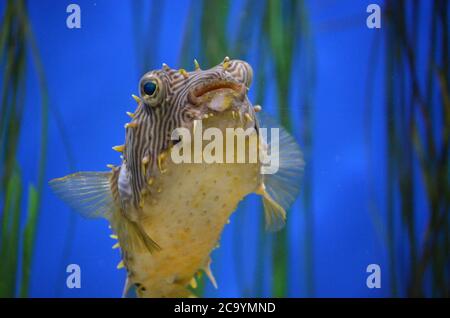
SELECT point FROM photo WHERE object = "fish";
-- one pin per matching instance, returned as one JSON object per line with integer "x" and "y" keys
{"x": 168, "y": 214}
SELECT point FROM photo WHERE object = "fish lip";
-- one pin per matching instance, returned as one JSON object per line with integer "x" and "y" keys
{"x": 195, "y": 95}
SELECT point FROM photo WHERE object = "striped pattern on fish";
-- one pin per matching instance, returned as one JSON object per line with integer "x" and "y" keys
{"x": 169, "y": 216}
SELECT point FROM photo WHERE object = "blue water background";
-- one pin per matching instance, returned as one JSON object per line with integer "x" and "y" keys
{"x": 91, "y": 74}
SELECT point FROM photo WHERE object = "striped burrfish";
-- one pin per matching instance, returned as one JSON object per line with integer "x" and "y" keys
{"x": 184, "y": 169}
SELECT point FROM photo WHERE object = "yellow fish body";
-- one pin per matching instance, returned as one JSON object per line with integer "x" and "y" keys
{"x": 168, "y": 215}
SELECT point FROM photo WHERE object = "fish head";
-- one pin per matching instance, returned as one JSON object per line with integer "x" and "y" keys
{"x": 180, "y": 97}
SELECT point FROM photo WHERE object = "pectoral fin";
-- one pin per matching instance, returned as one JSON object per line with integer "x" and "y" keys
{"x": 274, "y": 214}
{"x": 137, "y": 238}
{"x": 280, "y": 189}
{"x": 89, "y": 193}
{"x": 149, "y": 243}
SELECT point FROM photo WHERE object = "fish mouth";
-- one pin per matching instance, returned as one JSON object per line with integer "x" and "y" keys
{"x": 206, "y": 93}
{"x": 216, "y": 86}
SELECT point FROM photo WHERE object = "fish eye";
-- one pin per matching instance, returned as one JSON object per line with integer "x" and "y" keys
{"x": 150, "y": 87}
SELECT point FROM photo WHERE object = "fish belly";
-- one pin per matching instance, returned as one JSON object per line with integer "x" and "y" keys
{"x": 185, "y": 214}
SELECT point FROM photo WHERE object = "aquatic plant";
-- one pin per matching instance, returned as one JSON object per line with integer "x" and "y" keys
{"x": 16, "y": 43}
{"x": 417, "y": 131}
